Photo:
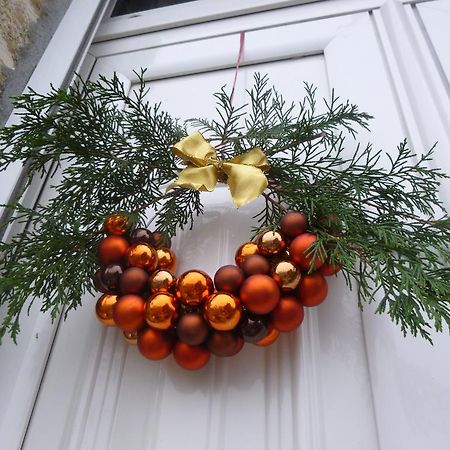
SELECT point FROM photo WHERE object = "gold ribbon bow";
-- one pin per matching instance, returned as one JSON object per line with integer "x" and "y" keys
{"x": 245, "y": 173}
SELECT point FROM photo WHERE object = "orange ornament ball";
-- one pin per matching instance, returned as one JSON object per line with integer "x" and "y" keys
{"x": 244, "y": 251}
{"x": 131, "y": 337}
{"x": 270, "y": 243}
{"x": 155, "y": 344}
{"x": 112, "y": 249}
{"x": 286, "y": 274}
{"x": 329, "y": 269}
{"x": 255, "y": 264}
{"x": 293, "y": 224}
{"x": 190, "y": 357}
{"x": 161, "y": 311}
{"x": 166, "y": 259}
{"x": 271, "y": 337}
{"x": 116, "y": 225}
{"x": 224, "y": 343}
{"x": 129, "y": 312}
{"x": 162, "y": 281}
{"x": 313, "y": 289}
{"x": 288, "y": 315}
{"x": 104, "y": 309}
{"x": 194, "y": 287}
{"x": 143, "y": 256}
{"x": 223, "y": 311}
{"x": 301, "y": 253}
{"x": 260, "y": 294}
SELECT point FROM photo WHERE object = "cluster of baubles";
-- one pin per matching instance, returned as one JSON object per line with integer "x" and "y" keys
{"x": 193, "y": 316}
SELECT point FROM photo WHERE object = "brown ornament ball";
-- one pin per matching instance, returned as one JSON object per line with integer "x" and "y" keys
{"x": 111, "y": 276}
{"x": 223, "y": 311}
{"x": 255, "y": 264}
{"x": 129, "y": 312}
{"x": 142, "y": 236}
{"x": 271, "y": 337}
{"x": 313, "y": 289}
{"x": 329, "y": 269}
{"x": 143, "y": 256}
{"x": 116, "y": 224}
{"x": 260, "y": 294}
{"x": 112, "y": 249}
{"x": 161, "y": 311}
{"x": 133, "y": 281}
{"x": 229, "y": 279}
{"x": 194, "y": 287}
{"x": 253, "y": 329}
{"x": 98, "y": 282}
{"x": 223, "y": 343}
{"x": 166, "y": 259}
{"x": 270, "y": 243}
{"x": 287, "y": 275}
{"x": 155, "y": 344}
{"x": 162, "y": 281}
{"x": 244, "y": 251}
{"x": 293, "y": 224}
{"x": 131, "y": 337}
{"x": 301, "y": 253}
{"x": 190, "y": 357}
{"x": 288, "y": 315}
{"x": 192, "y": 329}
{"x": 161, "y": 240}
{"x": 104, "y": 309}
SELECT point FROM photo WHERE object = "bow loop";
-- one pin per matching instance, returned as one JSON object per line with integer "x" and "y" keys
{"x": 245, "y": 173}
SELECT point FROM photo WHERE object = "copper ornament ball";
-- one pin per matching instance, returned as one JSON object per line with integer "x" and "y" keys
{"x": 253, "y": 329}
{"x": 143, "y": 256}
{"x": 244, "y": 251}
{"x": 162, "y": 281}
{"x": 190, "y": 357}
{"x": 270, "y": 242}
{"x": 131, "y": 337}
{"x": 192, "y": 329}
{"x": 287, "y": 275}
{"x": 229, "y": 279}
{"x": 293, "y": 224}
{"x": 133, "y": 281}
{"x": 223, "y": 343}
{"x": 256, "y": 264}
{"x": 161, "y": 311}
{"x": 112, "y": 249}
{"x": 329, "y": 269}
{"x": 271, "y": 337}
{"x": 166, "y": 259}
{"x": 223, "y": 311}
{"x": 313, "y": 289}
{"x": 116, "y": 224}
{"x": 129, "y": 312}
{"x": 302, "y": 254}
{"x": 98, "y": 282}
{"x": 260, "y": 294}
{"x": 194, "y": 287}
{"x": 111, "y": 276}
{"x": 288, "y": 315}
{"x": 142, "y": 236}
{"x": 155, "y": 344}
{"x": 161, "y": 239}
{"x": 104, "y": 309}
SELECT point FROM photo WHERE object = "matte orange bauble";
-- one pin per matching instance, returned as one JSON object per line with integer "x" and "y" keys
{"x": 287, "y": 275}
{"x": 104, "y": 309}
{"x": 190, "y": 357}
{"x": 301, "y": 254}
{"x": 116, "y": 224}
{"x": 162, "y": 281}
{"x": 194, "y": 287}
{"x": 133, "y": 281}
{"x": 271, "y": 337}
{"x": 255, "y": 264}
{"x": 129, "y": 312}
{"x": 223, "y": 311}
{"x": 260, "y": 294}
{"x": 161, "y": 311}
{"x": 293, "y": 223}
{"x": 131, "y": 337}
{"x": 244, "y": 251}
{"x": 313, "y": 289}
{"x": 166, "y": 259}
{"x": 229, "y": 279}
{"x": 329, "y": 269}
{"x": 143, "y": 256}
{"x": 288, "y": 315}
{"x": 112, "y": 249}
{"x": 270, "y": 243}
{"x": 223, "y": 343}
{"x": 155, "y": 344}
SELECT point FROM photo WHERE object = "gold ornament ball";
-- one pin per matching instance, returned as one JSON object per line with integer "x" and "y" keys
{"x": 116, "y": 224}
{"x": 244, "y": 251}
{"x": 161, "y": 311}
{"x": 194, "y": 287}
{"x": 131, "y": 337}
{"x": 166, "y": 259}
{"x": 104, "y": 309}
{"x": 270, "y": 243}
{"x": 143, "y": 256}
{"x": 223, "y": 311}
{"x": 162, "y": 281}
{"x": 287, "y": 275}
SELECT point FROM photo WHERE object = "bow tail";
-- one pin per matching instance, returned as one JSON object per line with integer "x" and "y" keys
{"x": 198, "y": 178}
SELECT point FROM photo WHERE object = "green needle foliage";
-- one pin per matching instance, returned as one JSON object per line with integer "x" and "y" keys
{"x": 376, "y": 214}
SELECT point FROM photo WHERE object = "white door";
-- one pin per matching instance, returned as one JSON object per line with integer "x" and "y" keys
{"x": 345, "y": 380}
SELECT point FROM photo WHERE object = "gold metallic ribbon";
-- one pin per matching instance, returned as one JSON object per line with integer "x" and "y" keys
{"x": 245, "y": 173}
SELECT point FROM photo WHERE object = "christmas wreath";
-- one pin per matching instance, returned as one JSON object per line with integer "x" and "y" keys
{"x": 114, "y": 160}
